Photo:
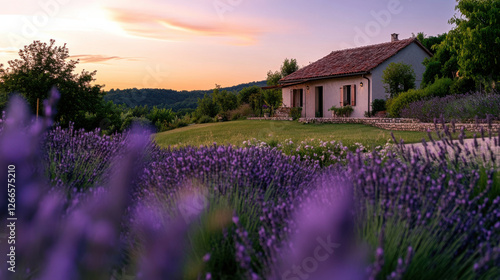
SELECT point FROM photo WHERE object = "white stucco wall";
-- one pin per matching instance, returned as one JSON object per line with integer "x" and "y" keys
{"x": 413, "y": 55}
{"x": 331, "y": 95}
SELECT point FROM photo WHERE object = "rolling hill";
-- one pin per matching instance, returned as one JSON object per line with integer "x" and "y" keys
{"x": 166, "y": 98}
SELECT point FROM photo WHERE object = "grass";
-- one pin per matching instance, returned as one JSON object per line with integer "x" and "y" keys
{"x": 235, "y": 132}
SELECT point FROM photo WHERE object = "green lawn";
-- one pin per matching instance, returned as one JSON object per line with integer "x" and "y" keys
{"x": 235, "y": 132}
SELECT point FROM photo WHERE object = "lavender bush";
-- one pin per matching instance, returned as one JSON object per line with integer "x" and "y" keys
{"x": 119, "y": 207}
{"x": 461, "y": 107}
{"x": 77, "y": 159}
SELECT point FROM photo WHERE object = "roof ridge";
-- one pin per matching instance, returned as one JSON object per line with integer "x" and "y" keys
{"x": 376, "y": 45}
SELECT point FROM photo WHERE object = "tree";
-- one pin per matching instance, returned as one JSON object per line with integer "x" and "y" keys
{"x": 273, "y": 78}
{"x": 245, "y": 95}
{"x": 207, "y": 106}
{"x": 398, "y": 77}
{"x": 431, "y": 42}
{"x": 272, "y": 98}
{"x": 442, "y": 65}
{"x": 224, "y": 99}
{"x": 288, "y": 67}
{"x": 476, "y": 40}
{"x": 42, "y": 66}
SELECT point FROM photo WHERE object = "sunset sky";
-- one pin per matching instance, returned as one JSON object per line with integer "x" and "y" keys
{"x": 195, "y": 44}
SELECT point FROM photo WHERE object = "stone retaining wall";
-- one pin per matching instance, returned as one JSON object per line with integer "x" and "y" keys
{"x": 432, "y": 126}
{"x": 392, "y": 124}
{"x": 368, "y": 121}
{"x": 272, "y": 118}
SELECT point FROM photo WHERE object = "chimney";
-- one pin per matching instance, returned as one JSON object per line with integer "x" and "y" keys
{"x": 394, "y": 37}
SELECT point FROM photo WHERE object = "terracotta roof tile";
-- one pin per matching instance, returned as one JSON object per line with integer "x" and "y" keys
{"x": 350, "y": 61}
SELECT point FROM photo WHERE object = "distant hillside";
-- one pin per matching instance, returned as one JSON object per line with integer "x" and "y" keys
{"x": 166, "y": 98}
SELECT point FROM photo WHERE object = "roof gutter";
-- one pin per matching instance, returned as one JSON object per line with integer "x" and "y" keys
{"x": 369, "y": 87}
{"x": 301, "y": 81}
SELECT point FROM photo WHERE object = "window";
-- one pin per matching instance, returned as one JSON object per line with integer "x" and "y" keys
{"x": 348, "y": 95}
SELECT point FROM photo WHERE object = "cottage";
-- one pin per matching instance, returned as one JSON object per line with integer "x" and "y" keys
{"x": 350, "y": 77}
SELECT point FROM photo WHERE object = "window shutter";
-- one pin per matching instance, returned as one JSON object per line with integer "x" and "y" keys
{"x": 342, "y": 89}
{"x": 353, "y": 95}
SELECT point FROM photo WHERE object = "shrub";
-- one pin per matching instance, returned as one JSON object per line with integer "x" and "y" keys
{"x": 205, "y": 119}
{"x": 243, "y": 111}
{"x": 378, "y": 105}
{"x": 180, "y": 122}
{"x": 463, "y": 85}
{"x": 440, "y": 88}
{"x": 296, "y": 113}
{"x": 344, "y": 111}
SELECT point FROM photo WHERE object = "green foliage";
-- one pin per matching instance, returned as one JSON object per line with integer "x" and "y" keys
{"x": 253, "y": 97}
{"x": 476, "y": 40}
{"x": 432, "y": 71}
{"x": 225, "y": 100}
{"x": 463, "y": 85}
{"x": 296, "y": 113}
{"x": 431, "y": 43}
{"x": 207, "y": 107}
{"x": 440, "y": 88}
{"x": 140, "y": 111}
{"x": 378, "y": 105}
{"x": 289, "y": 66}
{"x": 344, "y": 111}
{"x": 398, "y": 77}
{"x": 43, "y": 66}
{"x": 396, "y": 105}
{"x": 178, "y": 101}
{"x": 107, "y": 117}
{"x": 442, "y": 65}
{"x": 205, "y": 119}
{"x": 245, "y": 95}
{"x": 273, "y": 98}
{"x": 241, "y": 112}
{"x": 273, "y": 78}
{"x": 161, "y": 118}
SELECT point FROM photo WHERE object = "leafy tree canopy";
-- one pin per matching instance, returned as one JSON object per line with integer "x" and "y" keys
{"x": 288, "y": 67}
{"x": 431, "y": 42}
{"x": 398, "y": 77}
{"x": 476, "y": 40}
{"x": 42, "y": 66}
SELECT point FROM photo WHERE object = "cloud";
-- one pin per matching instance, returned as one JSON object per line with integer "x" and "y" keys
{"x": 170, "y": 29}
{"x": 8, "y": 51}
{"x": 89, "y": 58}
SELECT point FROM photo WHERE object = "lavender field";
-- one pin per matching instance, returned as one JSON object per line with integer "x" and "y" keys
{"x": 91, "y": 206}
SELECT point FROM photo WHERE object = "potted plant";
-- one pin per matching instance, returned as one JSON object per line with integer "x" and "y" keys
{"x": 344, "y": 111}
